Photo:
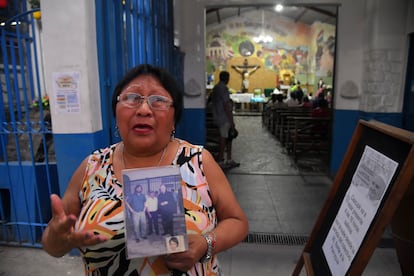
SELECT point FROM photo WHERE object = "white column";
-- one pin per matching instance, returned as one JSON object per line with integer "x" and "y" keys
{"x": 69, "y": 49}
{"x": 69, "y": 46}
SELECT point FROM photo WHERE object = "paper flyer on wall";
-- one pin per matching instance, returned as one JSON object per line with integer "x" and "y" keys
{"x": 67, "y": 92}
{"x": 153, "y": 211}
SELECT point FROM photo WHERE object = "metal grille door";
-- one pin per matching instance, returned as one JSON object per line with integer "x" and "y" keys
{"x": 27, "y": 158}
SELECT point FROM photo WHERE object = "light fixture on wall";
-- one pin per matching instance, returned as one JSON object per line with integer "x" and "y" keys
{"x": 262, "y": 38}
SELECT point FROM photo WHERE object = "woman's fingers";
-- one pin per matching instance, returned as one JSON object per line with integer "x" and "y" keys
{"x": 60, "y": 236}
{"x": 183, "y": 261}
{"x": 63, "y": 222}
{"x": 85, "y": 238}
{"x": 180, "y": 261}
{"x": 57, "y": 207}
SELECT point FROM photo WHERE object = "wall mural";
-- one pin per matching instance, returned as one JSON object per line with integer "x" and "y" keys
{"x": 298, "y": 52}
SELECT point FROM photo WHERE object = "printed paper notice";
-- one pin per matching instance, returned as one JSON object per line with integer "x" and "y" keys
{"x": 369, "y": 184}
{"x": 66, "y": 88}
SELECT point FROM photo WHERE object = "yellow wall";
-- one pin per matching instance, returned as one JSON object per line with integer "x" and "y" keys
{"x": 261, "y": 78}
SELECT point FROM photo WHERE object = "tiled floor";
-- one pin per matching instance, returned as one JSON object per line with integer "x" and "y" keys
{"x": 280, "y": 198}
{"x": 284, "y": 198}
{"x": 277, "y": 194}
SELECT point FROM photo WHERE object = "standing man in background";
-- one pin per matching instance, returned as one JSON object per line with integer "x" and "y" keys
{"x": 222, "y": 107}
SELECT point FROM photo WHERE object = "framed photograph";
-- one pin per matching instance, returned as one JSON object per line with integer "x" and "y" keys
{"x": 153, "y": 211}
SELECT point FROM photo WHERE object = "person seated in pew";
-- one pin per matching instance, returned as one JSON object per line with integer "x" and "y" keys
{"x": 270, "y": 102}
{"x": 321, "y": 111}
{"x": 297, "y": 91}
{"x": 306, "y": 102}
{"x": 276, "y": 90}
{"x": 319, "y": 101}
{"x": 276, "y": 101}
{"x": 321, "y": 90}
{"x": 292, "y": 101}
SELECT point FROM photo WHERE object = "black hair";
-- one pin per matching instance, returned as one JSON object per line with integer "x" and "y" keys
{"x": 279, "y": 97}
{"x": 174, "y": 239}
{"x": 224, "y": 76}
{"x": 163, "y": 76}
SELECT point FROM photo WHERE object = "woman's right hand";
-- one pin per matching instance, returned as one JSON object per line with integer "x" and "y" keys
{"x": 60, "y": 235}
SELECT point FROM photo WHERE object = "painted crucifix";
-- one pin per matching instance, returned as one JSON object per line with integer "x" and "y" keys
{"x": 245, "y": 70}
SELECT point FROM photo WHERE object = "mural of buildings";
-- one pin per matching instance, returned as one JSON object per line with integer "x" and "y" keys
{"x": 297, "y": 52}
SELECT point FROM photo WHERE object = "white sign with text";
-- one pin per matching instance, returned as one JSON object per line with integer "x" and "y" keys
{"x": 369, "y": 184}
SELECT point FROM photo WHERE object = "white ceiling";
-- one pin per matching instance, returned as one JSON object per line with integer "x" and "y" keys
{"x": 305, "y": 14}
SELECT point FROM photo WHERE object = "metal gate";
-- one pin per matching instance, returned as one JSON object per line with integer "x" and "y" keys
{"x": 132, "y": 32}
{"x": 129, "y": 32}
{"x": 27, "y": 161}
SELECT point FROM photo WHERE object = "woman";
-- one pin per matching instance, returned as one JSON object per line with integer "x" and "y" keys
{"x": 147, "y": 105}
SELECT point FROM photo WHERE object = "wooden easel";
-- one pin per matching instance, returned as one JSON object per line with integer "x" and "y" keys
{"x": 395, "y": 143}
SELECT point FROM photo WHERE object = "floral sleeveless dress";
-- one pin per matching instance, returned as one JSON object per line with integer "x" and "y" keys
{"x": 102, "y": 211}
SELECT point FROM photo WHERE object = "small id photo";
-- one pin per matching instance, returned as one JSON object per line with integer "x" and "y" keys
{"x": 175, "y": 244}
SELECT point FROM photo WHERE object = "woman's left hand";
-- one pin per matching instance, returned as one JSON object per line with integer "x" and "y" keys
{"x": 184, "y": 261}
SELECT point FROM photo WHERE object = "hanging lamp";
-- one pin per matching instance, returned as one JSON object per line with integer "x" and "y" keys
{"x": 262, "y": 38}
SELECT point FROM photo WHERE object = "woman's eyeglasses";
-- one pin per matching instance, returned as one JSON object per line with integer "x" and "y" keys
{"x": 134, "y": 100}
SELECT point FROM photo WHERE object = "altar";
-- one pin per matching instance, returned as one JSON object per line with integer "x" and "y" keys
{"x": 248, "y": 102}
{"x": 241, "y": 97}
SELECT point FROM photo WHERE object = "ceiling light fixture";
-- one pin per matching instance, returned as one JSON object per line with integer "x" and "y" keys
{"x": 279, "y": 7}
{"x": 262, "y": 38}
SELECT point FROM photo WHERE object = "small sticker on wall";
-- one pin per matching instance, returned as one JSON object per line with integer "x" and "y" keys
{"x": 66, "y": 91}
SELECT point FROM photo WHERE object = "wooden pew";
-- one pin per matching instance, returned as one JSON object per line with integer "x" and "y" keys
{"x": 308, "y": 134}
{"x": 212, "y": 134}
{"x": 282, "y": 119}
